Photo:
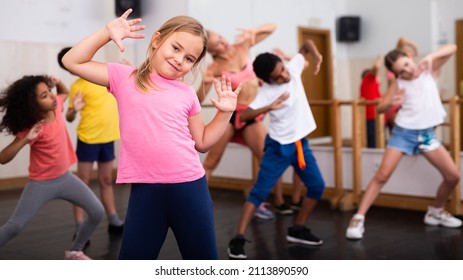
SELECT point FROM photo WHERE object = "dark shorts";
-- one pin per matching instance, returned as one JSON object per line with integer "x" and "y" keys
{"x": 95, "y": 152}
{"x": 233, "y": 117}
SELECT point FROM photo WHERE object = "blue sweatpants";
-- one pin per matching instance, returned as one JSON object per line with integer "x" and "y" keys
{"x": 186, "y": 208}
{"x": 277, "y": 158}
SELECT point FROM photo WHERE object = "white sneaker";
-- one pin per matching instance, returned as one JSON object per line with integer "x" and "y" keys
{"x": 442, "y": 218}
{"x": 356, "y": 229}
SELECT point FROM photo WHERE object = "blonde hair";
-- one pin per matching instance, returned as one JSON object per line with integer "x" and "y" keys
{"x": 175, "y": 24}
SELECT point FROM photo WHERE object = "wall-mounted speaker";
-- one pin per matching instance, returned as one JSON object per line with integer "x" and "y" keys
{"x": 348, "y": 29}
{"x": 124, "y": 5}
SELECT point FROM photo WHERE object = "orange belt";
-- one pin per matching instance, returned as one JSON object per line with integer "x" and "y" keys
{"x": 300, "y": 155}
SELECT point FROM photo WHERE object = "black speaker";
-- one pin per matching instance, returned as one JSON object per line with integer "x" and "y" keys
{"x": 348, "y": 29}
{"x": 124, "y": 5}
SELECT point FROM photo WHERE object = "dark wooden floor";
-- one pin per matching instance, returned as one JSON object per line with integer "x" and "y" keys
{"x": 390, "y": 234}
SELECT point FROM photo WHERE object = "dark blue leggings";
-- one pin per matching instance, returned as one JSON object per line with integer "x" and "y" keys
{"x": 186, "y": 208}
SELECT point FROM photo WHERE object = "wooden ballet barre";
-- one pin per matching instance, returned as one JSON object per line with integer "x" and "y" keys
{"x": 343, "y": 200}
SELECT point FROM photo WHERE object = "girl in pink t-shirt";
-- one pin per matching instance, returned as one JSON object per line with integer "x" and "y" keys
{"x": 161, "y": 132}
{"x": 34, "y": 115}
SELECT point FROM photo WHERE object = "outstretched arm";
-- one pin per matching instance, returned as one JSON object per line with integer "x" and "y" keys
{"x": 78, "y": 104}
{"x": 377, "y": 65}
{"x": 10, "y": 151}
{"x": 434, "y": 61}
{"x": 251, "y": 36}
{"x": 249, "y": 113}
{"x": 205, "y": 136}
{"x": 61, "y": 89}
{"x": 308, "y": 47}
{"x": 393, "y": 96}
{"x": 79, "y": 59}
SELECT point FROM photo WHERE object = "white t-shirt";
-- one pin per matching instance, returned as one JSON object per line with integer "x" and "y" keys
{"x": 422, "y": 107}
{"x": 293, "y": 121}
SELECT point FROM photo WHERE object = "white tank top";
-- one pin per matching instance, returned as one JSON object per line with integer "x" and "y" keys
{"x": 422, "y": 107}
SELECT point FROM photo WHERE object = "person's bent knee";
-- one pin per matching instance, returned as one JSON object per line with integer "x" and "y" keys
{"x": 381, "y": 177}
{"x": 315, "y": 192}
{"x": 97, "y": 214}
{"x": 452, "y": 179}
{"x": 106, "y": 181}
{"x": 254, "y": 199}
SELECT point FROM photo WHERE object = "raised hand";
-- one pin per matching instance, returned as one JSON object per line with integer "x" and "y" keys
{"x": 399, "y": 97}
{"x": 318, "y": 59}
{"x": 34, "y": 132}
{"x": 52, "y": 81}
{"x": 78, "y": 102}
{"x": 246, "y": 34}
{"x": 122, "y": 28}
{"x": 426, "y": 63}
{"x": 279, "y": 102}
{"x": 227, "y": 98}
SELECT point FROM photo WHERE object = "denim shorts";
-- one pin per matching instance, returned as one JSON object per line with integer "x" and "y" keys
{"x": 412, "y": 142}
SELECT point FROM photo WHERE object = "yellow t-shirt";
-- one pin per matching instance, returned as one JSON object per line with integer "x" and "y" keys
{"x": 99, "y": 119}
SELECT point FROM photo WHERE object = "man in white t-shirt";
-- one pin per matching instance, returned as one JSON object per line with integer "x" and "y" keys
{"x": 282, "y": 96}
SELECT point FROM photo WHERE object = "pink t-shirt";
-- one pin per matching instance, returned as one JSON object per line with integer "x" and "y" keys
{"x": 156, "y": 143}
{"x": 52, "y": 153}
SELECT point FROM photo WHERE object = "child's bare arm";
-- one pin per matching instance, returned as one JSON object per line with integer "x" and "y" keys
{"x": 10, "y": 151}
{"x": 79, "y": 59}
{"x": 434, "y": 61}
{"x": 308, "y": 47}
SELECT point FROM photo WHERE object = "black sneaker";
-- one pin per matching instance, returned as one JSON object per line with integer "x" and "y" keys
{"x": 303, "y": 236}
{"x": 283, "y": 209}
{"x": 113, "y": 229}
{"x": 236, "y": 249}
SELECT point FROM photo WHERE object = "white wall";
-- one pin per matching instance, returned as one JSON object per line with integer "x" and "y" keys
{"x": 52, "y": 21}
{"x": 32, "y": 34}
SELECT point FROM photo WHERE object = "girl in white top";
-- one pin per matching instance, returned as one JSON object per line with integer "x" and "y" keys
{"x": 415, "y": 90}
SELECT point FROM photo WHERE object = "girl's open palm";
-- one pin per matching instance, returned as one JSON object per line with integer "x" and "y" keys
{"x": 399, "y": 97}
{"x": 78, "y": 102}
{"x": 226, "y": 101}
{"x": 34, "y": 132}
{"x": 279, "y": 102}
{"x": 122, "y": 28}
